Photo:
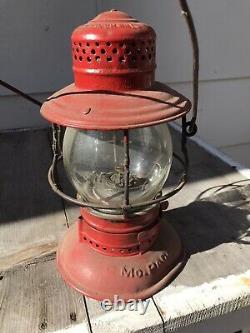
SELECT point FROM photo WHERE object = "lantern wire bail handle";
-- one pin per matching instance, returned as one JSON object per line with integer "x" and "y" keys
{"x": 191, "y": 127}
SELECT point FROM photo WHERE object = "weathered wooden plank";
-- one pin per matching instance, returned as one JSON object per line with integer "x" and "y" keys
{"x": 123, "y": 321}
{"x": 189, "y": 306}
{"x": 31, "y": 216}
{"x": 205, "y": 172}
{"x": 35, "y": 299}
{"x": 216, "y": 278}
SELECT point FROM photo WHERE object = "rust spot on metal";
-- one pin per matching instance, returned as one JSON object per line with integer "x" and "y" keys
{"x": 87, "y": 112}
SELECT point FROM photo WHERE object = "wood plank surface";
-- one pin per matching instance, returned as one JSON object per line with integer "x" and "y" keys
{"x": 215, "y": 281}
{"x": 31, "y": 216}
{"x": 35, "y": 299}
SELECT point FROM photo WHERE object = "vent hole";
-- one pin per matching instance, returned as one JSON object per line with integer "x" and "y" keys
{"x": 77, "y": 50}
{"x": 104, "y": 248}
{"x": 88, "y": 59}
{"x": 97, "y": 43}
{"x": 97, "y": 245}
{"x": 85, "y": 238}
{"x": 122, "y": 44}
{"x": 75, "y": 57}
{"x": 108, "y": 43}
{"x": 80, "y": 44}
{"x": 97, "y": 58}
{"x": 138, "y": 50}
{"x": 83, "y": 51}
{"x": 114, "y": 51}
{"x": 109, "y": 59}
{"x": 146, "y": 50}
{"x": 102, "y": 51}
{"x": 80, "y": 58}
{"x": 88, "y": 44}
{"x": 121, "y": 59}
{"x": 149, "y": 56}
{"x": 75, "y": 43}
{"x": 91, "y": 242}
{"x": 127, "y": 51}
{"x": 93, "y": 51}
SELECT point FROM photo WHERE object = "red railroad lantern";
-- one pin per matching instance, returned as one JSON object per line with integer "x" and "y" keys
{"x": 117, "y": 152}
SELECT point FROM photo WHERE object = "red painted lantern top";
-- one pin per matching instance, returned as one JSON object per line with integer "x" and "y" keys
{"x": 114, "y": 88}
{"x": 113, "y": 51}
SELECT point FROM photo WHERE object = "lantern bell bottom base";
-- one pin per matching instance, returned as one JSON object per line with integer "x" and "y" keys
{"x": 139, "y": 276}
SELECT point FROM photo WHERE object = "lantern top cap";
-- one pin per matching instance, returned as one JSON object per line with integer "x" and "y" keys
{"x": 113, "y": 51}
{"x": 114, "y": 86}
{"x": 113, "y": 15}
{"x": 115, "y": 20}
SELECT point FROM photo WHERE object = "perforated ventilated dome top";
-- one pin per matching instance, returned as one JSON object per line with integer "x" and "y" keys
{"x": 110, "y": 46}
{"x": 114, "y": 66}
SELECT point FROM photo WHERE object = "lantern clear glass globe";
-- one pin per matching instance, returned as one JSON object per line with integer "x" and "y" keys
{"x": 94, "y": 162}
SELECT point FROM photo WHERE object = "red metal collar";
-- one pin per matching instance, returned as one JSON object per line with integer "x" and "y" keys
{"x": 101, "y": 110}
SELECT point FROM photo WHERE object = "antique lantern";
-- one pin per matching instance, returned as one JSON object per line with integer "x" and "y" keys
{"x": 117, "y": 152}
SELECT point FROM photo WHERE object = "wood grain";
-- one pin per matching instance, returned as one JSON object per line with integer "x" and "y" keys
{"x": 31, "y": 216}
{"x": 34, "y": 299}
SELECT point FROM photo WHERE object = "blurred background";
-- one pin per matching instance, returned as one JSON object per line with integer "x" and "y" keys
{"x": 36, "y": 57}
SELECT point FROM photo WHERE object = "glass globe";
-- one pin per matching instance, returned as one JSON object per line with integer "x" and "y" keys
{"x": 94, "y": 163}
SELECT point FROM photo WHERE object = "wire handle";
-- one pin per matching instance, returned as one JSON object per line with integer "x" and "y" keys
{"x": 191, "y": 127}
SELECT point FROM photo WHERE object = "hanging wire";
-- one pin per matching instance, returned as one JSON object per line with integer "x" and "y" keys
{"x": 20, "y": 93}
{"x": 126, "y": 168}
{"x": 191, "y": 127}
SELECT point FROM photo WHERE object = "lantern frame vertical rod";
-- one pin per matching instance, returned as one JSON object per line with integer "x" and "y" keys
{"x": 126, "y": 165}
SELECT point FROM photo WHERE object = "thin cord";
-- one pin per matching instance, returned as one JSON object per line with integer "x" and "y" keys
{"x": 87, "y": 315}
{"x": 20, "y": 93}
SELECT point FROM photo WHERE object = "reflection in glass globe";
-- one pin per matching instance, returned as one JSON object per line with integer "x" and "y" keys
{"x": 94, "y": 163}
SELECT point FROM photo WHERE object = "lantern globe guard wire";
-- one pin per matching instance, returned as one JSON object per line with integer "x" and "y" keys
{"x": 126, "y": 207}
{"x": 189, "y": 128}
